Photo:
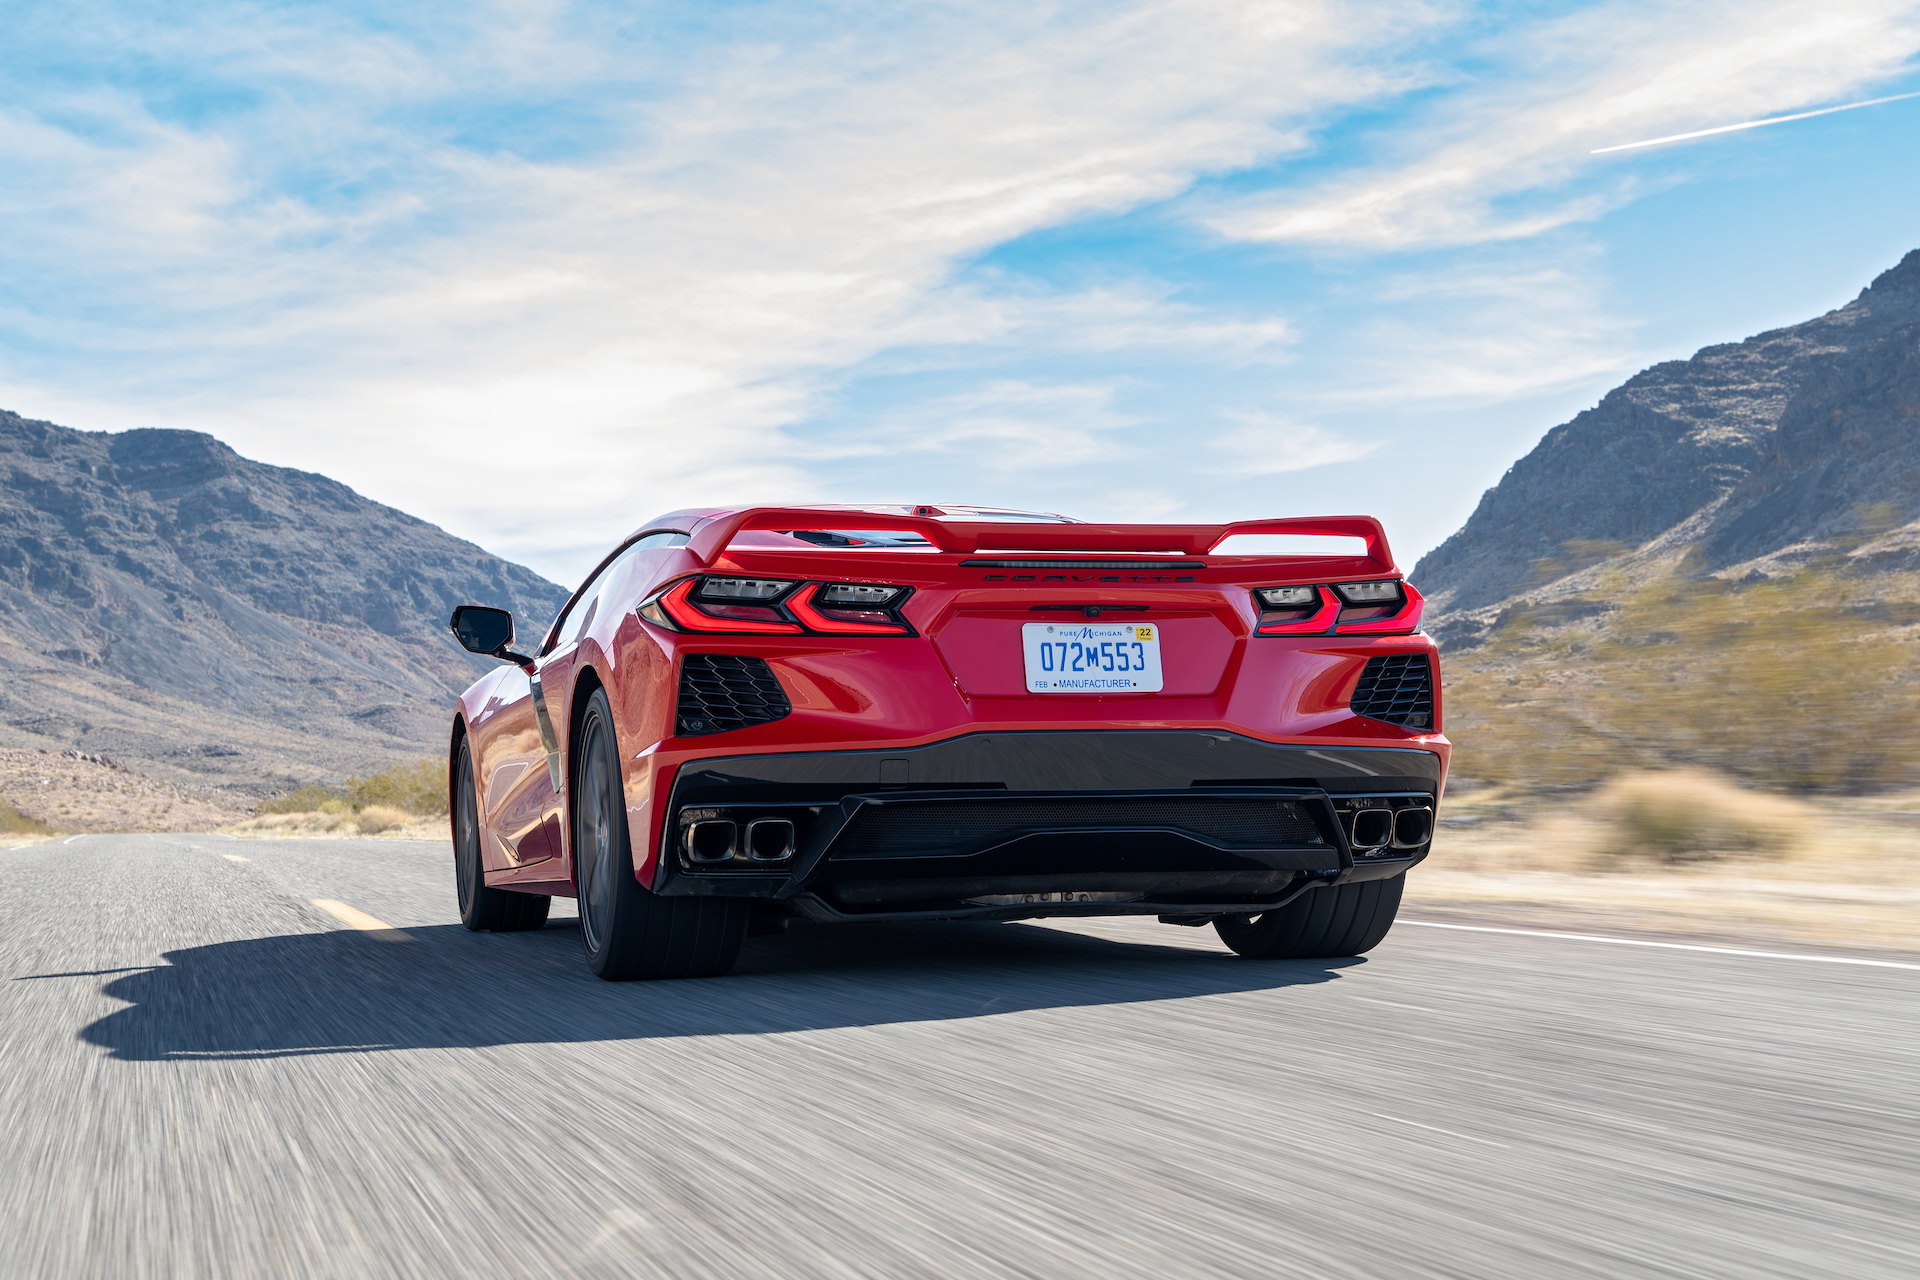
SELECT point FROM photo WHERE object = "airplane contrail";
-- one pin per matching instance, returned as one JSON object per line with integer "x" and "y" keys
{"x": 1753, "y": 124}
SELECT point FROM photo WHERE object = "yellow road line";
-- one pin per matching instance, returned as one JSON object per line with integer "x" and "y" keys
{"x": 354, "y": 918}
{"x": 234, "y": 857}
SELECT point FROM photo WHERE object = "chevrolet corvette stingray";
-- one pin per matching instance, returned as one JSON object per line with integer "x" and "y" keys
{"x": 745, "y": 717}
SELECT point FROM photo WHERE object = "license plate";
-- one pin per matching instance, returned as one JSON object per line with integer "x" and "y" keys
{"x": 1092, "y": 657}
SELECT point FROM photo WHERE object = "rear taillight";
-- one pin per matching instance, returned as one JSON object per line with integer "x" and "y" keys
{"x": 1361, "y": 594}
{"x": 1396, "y": 615}
{"x": 1295, "y": 611}
{"x": 743, "y": 589}
{"x": 773, "y": 606}
{"x": 849, "y": 608}
{"x": 691, "y": 605}
{"x": 1386, "y": 607}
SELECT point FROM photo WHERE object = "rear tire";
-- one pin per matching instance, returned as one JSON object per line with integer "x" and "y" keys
{"x": 629, "y": 931}
{"x": 1342, "y": 920}
{"x": 482, "y": 908}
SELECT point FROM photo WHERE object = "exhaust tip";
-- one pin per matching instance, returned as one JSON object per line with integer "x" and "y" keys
{"x": 770, "y": 840}
{"x": 1371, "y": 828}
{"x": 712, "y": 840}
{"x": 1412, "y": 828}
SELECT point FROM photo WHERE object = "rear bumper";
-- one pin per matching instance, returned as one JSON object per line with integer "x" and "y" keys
{"x": 1023, "y": 824}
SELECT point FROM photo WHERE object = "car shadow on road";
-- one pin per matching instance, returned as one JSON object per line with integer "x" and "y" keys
{"x": 343, "y": 992}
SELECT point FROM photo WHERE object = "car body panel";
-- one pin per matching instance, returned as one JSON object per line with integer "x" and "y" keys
{"x": 960, "y": 674}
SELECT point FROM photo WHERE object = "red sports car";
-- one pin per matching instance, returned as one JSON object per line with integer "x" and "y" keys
{"x": 937, "y": 713}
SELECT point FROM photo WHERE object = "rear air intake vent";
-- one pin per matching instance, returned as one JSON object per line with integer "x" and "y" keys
{"x": 1397, "y": 688}
{"x": 1168, "y": 563}
{"x": 719, "y": 691}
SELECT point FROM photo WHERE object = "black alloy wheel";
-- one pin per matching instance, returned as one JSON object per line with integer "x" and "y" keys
{"x": 1339, "y": 920}
{"x": 483, "y": 908}
{"x": 627, "y": 930}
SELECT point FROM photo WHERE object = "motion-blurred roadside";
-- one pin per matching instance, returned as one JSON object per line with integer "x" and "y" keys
{"x": 1730, "y": 757}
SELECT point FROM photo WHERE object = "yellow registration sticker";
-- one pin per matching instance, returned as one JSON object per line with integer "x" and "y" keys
{"x": 1143, "y": 633}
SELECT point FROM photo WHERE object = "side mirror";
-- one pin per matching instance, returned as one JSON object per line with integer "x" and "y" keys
{"x": 480, "y": 629}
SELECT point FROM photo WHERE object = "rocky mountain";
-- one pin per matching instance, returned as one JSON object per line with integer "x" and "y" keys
{"x": 218, "y": 622}
{"x": 1746, "y": 459}
{"x": 72, "y": 791}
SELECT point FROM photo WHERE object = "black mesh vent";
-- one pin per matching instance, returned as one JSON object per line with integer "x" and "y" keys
{"x": 1398, "y": 689}
{"x": 719, "y": 691}
{"x": 956, "y": 827}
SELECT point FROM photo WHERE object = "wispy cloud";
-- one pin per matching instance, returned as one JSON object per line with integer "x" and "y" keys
{"x": 1261, "y": 444}
{"x": 1497, "y": 160}
{"x": 537, "y": 270}
{"x": 631, "y": 322}
{"x": 1006, "y": 426}
{"x": 1484, "y": 333}
{"x": 1137, "y": 315}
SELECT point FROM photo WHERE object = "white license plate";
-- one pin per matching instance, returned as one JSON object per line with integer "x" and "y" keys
{"x": 1092, "y": 657}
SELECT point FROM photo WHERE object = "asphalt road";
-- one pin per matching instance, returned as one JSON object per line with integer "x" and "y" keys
{"x": 204, "y": 1075}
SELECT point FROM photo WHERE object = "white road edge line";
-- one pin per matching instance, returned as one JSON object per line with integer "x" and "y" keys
{"x": 234, "y": 857}
{"x": 1669, "y": 946}
{"x": 354, "y": 918}
{"x": 1434, "y": 1128}
{"x": 71, "y": 839}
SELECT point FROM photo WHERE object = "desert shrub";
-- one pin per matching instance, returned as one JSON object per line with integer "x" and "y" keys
{"x": 375, "y": 818}
{"x": 308, "y": 822}
{"x": 305, "y": 800}
{"x": 15, "y": 823}
{"x": 1776, "y": 684}
{"x": 419, "y": 789}
{"x": 1683, "y": 817}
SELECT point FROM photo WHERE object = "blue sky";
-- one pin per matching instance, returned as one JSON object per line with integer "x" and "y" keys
{"x": 536, "y": 271}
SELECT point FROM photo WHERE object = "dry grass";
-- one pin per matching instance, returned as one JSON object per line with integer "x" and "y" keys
{"x": 407, "y": 802}
{"x": 342, "y": 822}
{"x": 15, "y": 823}
{"x": 419, "y": 789}
{"x": 1686, "y": 816}
{"x": 1686, "y": 852}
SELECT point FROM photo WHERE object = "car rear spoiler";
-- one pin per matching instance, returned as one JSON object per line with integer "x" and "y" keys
{"x": 959, "y": 537}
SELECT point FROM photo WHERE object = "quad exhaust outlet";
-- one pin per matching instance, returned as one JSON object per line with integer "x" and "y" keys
{"x": 714, "y": 841}
{"x": 1371, "y": 830}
